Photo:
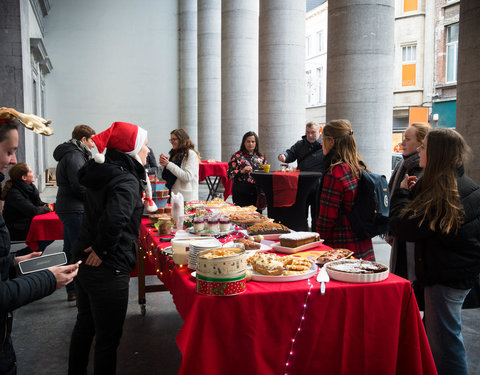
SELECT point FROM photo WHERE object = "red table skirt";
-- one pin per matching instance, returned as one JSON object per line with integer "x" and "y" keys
{"x": 217, "y": 169}
{"x": 44, "y": 227}
{"x": 352, "y": 329}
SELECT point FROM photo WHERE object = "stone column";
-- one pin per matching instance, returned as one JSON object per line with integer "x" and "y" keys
{"x": 239, "y": 72}
{"x": 11, "y": 68}
{"x": 360, "y": 74}
{"x": 209, "y": 79}
{"x": 187, "y": 19}
{"x": 281, "y": 76}
{"x": 468, "y": 82}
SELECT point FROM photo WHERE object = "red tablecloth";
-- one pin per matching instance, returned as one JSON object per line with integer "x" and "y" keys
{"x": 285, "y": 186}
{"x": 217, "y": 169}
{"x": 352, "y": 329}
{"x": 44, "y": 227}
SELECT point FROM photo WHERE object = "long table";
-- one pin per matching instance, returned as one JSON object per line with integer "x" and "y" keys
{"x": 290, "y": 328}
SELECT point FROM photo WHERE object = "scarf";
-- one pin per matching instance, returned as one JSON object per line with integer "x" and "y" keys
{"x": 81, "y": 146}
{"x": 403, "y": 167}
{"x": 168, "y": 176}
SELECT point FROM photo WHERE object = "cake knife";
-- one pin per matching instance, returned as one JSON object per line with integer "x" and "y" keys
{"x": 322, "y": 277}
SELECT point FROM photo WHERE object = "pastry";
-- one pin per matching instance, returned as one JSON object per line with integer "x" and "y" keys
{"x": 297, "y": 239}
{"x": 357, "y": 266}
{"x": 267, "y": 228}
{"x": 249, "y": 245}
{"x": 335, "y": 254}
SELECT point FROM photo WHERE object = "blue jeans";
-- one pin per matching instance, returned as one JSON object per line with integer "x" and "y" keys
{"x": 72, "y": 223}
{"x": 443, "y": 323}
{"x": 102, "y": 300}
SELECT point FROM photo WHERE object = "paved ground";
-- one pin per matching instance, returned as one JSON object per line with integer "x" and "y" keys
{"x": 42, "y": 330}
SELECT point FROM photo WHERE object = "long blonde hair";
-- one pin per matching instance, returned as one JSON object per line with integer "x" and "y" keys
{"x": 438, "y": 201}
{"x": 344, "y": 149}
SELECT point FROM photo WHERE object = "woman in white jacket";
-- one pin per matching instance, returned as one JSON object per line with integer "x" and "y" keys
{"x": 180, "y": 168}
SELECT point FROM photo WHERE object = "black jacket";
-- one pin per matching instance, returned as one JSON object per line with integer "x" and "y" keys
{"x": 16, "y": 292}
{"x": 113, "y": 210}
{"x": 452, "y": 260}
{"x": 22, "y": 203}
{"x": 151, "y": 166}
{"x": 70, "y": 192}
{"x": 299, "y": 151}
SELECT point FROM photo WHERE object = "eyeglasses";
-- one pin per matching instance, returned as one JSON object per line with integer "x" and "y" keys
{"x": 173, "y": 140}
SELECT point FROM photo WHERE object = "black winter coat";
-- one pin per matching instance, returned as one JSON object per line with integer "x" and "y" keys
{"x": 70, "y": 192}
{"x": 113, "y": 210}
{"x": 16, "y": 292}
{"x": 299, "y": 151}
{"x": 452, "y": 260}
{"x": 22, "y": 203}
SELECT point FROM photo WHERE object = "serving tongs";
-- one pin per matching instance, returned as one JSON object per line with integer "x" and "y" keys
{"x": 322, "y": 277}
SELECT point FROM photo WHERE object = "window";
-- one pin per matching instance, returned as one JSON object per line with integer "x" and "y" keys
{"x": 410, "y": 5}
{"x": 409, "y": 59}
{"x": 309, "y": 88}
{"x": 320, "y": 85}
{"x": 307, "y": 46}
{"x": 452, "y": 53}
{"x": 320, "y": 40}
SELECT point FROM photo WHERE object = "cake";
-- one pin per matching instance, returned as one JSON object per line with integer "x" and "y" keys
{"x": 273, "y": 265}
{"x": 297, "y": 239}
{"x": 248, "y": 245}
{"x": 357, "y": 266}
{"x": 198, "y": 224}
{"x": 267, "y": 228}
{"x": 335, "y": 254}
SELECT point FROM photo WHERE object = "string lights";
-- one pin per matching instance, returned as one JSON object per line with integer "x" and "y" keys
{"x": 299, "y": 329}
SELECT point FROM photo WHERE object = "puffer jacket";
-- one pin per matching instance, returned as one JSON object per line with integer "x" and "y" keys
{"x": 299, "y": 151}
{"x": 16, "y": 292}
{"x": 452, "y": 260}
{"x": 22, "y": 203}
{"x": 70, "y": 193}
{"x": 113, "y": 210}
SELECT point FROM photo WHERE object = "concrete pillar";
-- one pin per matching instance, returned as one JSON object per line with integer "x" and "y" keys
{"x": 239, "y": 72}
{"x": 360, "y": 73}
{"x": 468, "y": 82}
{"x": 281, "y": 76}
{"x": 11, "y": 70}
{"x": 187, "y": 13}
{"x": 209, "y": 79}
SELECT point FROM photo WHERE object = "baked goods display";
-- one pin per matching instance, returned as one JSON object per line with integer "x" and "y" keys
{"x": 267, "y": 228}
{"x": 247, "y": 244}
{"x": 273, "y": 265}
{"x": 218, "y": 253}
{"x": 335, "y": 254}
{"x": 297, "y": 239}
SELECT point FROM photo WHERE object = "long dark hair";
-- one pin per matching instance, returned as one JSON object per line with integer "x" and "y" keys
{"x": 438, "y": 202}
{"x": 344, "y": 149}
{"x": 184, "y": 144}
{"x": 16, "y": 173}
{"x": 257, "y": 143}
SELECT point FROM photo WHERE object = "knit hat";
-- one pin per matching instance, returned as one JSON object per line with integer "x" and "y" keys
{"x": 122, "y": 136}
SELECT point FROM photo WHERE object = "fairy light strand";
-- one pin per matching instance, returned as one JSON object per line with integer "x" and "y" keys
{"x": 299, "y": 329}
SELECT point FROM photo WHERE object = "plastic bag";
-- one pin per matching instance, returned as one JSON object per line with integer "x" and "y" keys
{"x": 178, "y": 210}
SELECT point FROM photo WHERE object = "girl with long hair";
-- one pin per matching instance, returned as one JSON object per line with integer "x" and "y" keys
{"x": 401, "y": 257}
{"x": 180, "y": 169}
{"x": 441, "y": 213}
{"x": 247, "y": 159}
{"x": 343, "y": 170}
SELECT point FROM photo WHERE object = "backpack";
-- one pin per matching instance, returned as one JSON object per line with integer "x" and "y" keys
{"x": 369, "y": 215}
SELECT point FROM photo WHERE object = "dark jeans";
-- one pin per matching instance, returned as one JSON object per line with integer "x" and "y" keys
{"x": 102, "y": 299}
{"x": 72, "y": 223}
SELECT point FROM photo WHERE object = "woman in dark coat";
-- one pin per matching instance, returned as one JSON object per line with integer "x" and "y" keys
{"x": 344, "y": 168}
{"x": 441, "y": 214}
{"x": 16, "y": 292}
{"x": 108, "y": 244}
{"x": 22, "y": 203}
{"x": 401, "y": 257}
{"x": 241, "y": 165}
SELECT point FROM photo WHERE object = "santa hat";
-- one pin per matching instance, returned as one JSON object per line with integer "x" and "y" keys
{"x": 121, "y": 136}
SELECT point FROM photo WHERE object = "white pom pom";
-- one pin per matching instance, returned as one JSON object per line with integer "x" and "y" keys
{"x": 99, "y": 158}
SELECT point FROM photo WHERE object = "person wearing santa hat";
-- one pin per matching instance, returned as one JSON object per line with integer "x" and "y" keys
{"x": 107, "y": 244}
